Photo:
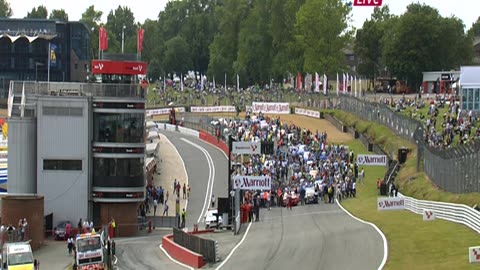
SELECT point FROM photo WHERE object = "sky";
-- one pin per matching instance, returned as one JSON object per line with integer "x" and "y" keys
{"x": 467, "y": 10}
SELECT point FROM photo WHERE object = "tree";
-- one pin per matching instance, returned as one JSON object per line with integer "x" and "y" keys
{"x": 474, "y": 31}
{"x": 177, "y": 56}
{"x": 116, "y": 21}
{"x": 254, "y": 49}
{"x": 5, "y": 9}
{"x": 92, "y": 18}
{"x": 422, "y": 40}
{"x": 38, "y": 13}
{"x": 224, "y": 48}
{"x": 59, "y": 14}
{"x": 321, "y": 34}
{"x": 369, "y": 42}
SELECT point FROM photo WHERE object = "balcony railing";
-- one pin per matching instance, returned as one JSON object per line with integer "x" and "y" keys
{"x": 77, "y": 89}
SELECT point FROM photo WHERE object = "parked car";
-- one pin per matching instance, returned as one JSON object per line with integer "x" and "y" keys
{"x": 60, "y": 229}
{"x": 294, "y": 197}
{"x": 211, "y": 219}
{"x": 310, "y": 195}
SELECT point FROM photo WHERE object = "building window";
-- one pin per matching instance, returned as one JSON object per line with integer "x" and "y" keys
{"x": 62, "y": 165}
{"x": 62, "y": 111}
{"x": 119, "y": 127}
{"x": 126, "y": 167}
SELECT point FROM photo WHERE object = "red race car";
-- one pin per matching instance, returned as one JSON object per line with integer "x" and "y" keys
{"x": 293, "y": 197}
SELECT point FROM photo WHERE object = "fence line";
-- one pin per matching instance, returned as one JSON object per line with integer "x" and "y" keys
{"x": 453, "y": 169}
{"x": 458, "y": 213}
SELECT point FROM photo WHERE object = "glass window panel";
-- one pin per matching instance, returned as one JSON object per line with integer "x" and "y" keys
{"x": 62, "y": 165}
{"x": 119, "y": 127}
{"x": 123, "y": 167}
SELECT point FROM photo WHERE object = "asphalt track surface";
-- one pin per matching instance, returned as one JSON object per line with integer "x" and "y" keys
{"x": 319, "y": 236}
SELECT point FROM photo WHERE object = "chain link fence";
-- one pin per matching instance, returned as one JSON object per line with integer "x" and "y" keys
{"x": 454, "y": 169}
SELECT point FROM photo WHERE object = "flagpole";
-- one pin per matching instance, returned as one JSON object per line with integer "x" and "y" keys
{"x": 49, "y": 59}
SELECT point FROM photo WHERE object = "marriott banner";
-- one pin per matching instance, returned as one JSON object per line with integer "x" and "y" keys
{"x": 372, "y": 160}
{"x": 390, "y": 203}
{"x": 249, "y": 148}
{"x": 252, "y": 182}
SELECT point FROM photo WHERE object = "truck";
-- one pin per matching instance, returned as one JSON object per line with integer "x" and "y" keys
{"x": 18, "y": 256}
{"x": 89, "y": 252}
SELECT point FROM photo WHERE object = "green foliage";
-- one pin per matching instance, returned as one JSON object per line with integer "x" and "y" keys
{"x": 38, "y": 13}
{"x": 422, "y": 40}
{"x": 321, "y": 33}
{"x": 177, "y": 56}
{"x": 118, "y": 21}
{"x": 92, "y": 18}
{"x": 474, "y": 31}
{"x": 5, "y": 9}
{"x": 59, "y": 14}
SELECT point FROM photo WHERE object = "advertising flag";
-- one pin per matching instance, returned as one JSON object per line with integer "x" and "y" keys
{"x": 317, "y": 82}
{"x": 103, "y": 36}
{"x": 53, "y": 55}
{"x": 214, "y": 82}
{"x": 355, "y": 86}
{"x": 238, "y": 83}
{"x": 22, "y": 102}
{"x": 181, "y": 82}
{"x": 337, "y": 84}
{"x": 141, "y": 34}
{"x": 299, "y": 82}
{"x": 324, "y": 84}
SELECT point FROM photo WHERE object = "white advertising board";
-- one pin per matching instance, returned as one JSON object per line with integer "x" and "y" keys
{"x": 249, "y": 148}
{"x": 309, "y": 113}
{"x": 372, "y": 160}
{"x": 428, "y": 215}
{"x": 474, "y": 254}
{"x": 212, "y": 109}
{"x": 164, "y": 111}
{"x": 390, "y": 203}
{"x": 271, "y": 107}
{"x": 252, "y": 182}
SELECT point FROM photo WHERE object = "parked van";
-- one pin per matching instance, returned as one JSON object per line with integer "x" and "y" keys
{"x": 17, "y": 256}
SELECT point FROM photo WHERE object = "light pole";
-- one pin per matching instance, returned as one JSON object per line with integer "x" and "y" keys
{"x": 123, "y": 36}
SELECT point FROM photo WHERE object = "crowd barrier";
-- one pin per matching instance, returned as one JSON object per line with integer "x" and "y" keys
{"x": 182, "y": 130}
{"x": 205, "y": 136}
{"x": 458, "y": 213}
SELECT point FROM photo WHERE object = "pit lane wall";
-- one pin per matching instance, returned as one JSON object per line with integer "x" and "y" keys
{"x": 176, "y": 249}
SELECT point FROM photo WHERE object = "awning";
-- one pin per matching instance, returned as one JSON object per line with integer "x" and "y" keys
{"x": 150, "y": 148}
{"x": 150, "y": 164}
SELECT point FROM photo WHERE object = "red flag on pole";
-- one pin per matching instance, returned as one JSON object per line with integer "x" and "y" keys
{"x": 299, "y": 82}
{"x": 103, "y": 39}
{"x": 141, "y": 33}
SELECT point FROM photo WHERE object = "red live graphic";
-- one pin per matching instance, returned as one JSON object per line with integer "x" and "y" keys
{"x": 368, "y": 3}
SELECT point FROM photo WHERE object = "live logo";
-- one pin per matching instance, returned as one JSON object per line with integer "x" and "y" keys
{"x": 369, "y": 3}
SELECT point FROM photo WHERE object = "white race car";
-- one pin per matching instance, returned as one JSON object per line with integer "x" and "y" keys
{"x": 211, "y": 219}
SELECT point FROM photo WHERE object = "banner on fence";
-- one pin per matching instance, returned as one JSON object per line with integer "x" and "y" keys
{"x": 252, "y": 182}
{"x": 310, "y": 113}
{"x": 474, "y": 254}
{"x": 249, "y": 148}
{"x": 271, "y": 107}
{"x": 428, "y": 215}
{"x": 162, "y": 111}
{"x": 212, "y": 109}
{"x": 372, "y": 160}
{"x": 390, "y": 203}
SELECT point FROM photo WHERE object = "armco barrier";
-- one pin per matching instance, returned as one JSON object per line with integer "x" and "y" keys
{"x": 458, "y": 213}
{"x": 182, "y": 254}
{"x": 183, "y": 130}
{"x": 213, "y": 140}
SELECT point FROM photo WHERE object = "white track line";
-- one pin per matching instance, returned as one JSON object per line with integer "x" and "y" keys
{"x": 183, "y": 165}
{"x": 211, "y": 178}
{"x": 385, "y": 243}
{"x": 173, "y": 260}
{"x": 235, "y": 248}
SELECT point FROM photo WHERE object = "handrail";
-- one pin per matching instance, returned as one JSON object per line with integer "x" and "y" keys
{"x": 458, "y": 213}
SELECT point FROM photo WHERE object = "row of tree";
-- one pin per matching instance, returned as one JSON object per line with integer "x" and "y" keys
{"x": 267, "y": 39}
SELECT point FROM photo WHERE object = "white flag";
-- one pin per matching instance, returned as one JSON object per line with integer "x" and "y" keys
{"x": 317, "y": 83}
{"x": 324, "y": 84}
{"x": 361, "y": 91}
{"x": 22, "y": 102}
{"x": 238, "y": 83}
{"x": 225, "y": 81}
{"x": 337, "y": 84}
{"x": 181, "y": 82}
{"x": 10, "y": 99}
{"x": 343, "y": 84}
{"x": 355, "y": 86}
{"x": 213, "y": 82}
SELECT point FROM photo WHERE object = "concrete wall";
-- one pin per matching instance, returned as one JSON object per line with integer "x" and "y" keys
{"x": 22, "y": 147}
{"x": 63, "y": 137}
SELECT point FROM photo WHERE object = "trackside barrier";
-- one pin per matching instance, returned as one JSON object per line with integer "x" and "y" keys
{"x": 458, "y": 213}
{"x": 183, "y": 130}
{"x": 205, "y": 136}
